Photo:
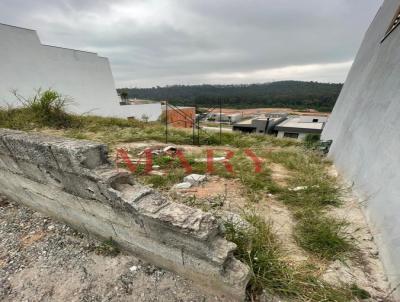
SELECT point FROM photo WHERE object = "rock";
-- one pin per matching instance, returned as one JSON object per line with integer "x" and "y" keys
{"x": 157, "y": 173}
{"x": 195, "y": 179}
{"x": 170, "y": 149}
{"x": 300, "y": 188}
{"x": 150, "y": 270}
{"x": 38, "y": 215}
{"x": 235, "y": 219}
{"x": 182, "y": 186}
{"x": 133, "y": 268}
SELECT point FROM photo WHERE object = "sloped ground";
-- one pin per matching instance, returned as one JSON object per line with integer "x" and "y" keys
{"x": 43, "y": 260}
{"x": 220, "y": 195}
{"x": 306, "y": 241}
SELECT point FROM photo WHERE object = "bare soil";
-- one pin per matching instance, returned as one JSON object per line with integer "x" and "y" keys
{"x": 367, "y": 272}
{"x": 43, "y": 260}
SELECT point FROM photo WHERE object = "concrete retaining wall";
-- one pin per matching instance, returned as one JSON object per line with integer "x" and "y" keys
{"x": 364, "y": 127}
{"x": 73, "y": 181}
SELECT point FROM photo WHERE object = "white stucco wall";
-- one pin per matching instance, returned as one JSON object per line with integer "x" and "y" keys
{"x": 27, "y": 65}
{"x": 365, "y": 129}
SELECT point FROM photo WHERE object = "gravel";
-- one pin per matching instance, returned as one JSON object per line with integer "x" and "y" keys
{"x": 44, "y": 260}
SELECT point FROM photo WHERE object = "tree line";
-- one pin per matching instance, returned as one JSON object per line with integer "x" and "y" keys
{"x": 292, "y": 94}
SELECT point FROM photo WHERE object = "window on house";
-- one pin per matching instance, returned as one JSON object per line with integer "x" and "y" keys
{"x": 393, "y": 25}
{"x": 291, "y": 135}
{"x": 315, "y": 120}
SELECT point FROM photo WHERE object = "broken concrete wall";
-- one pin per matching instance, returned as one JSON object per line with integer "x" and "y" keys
{"x": 73, "y": 181}
{"x": 364, "y": 127}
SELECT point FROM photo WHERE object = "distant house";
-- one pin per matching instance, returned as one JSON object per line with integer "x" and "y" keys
{"x": 299, "y": 126}
{"x": 263, "y": 125}
{"x": 181, "y": 117}
{"x": 225, "y": 118}
{"x": 126, "y": 101}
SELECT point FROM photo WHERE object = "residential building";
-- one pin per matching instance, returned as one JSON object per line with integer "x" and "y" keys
{"x": 224, "y": 118}
{"x": 298, "y": 127}
{"x": 261, "y": 125}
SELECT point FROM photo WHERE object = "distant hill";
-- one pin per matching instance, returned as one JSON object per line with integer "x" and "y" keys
{"x": 293, "y": 94}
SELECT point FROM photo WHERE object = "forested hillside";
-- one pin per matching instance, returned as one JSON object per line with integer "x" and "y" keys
{"x": 294, "y": 94}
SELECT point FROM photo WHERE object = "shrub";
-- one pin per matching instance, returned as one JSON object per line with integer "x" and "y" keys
{"x": 49, "y": 109}
{"x": 312, "y": 139}
{"x": 45, "y": 109}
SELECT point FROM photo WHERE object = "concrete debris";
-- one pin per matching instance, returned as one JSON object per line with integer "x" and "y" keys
{"x": 300, "y": 188}
{"x": 74, "y": 182}
{"x": 215, "y": 159}
{"x": 234, "y": 219}
{"x": 156, "y": 150}
{"x": 170, "y": 149}
{"x": 195, "y": 179}
{"x": 190, "y": 181}
{"x": 153, "y": 151}
{"x": 182, "y": 186}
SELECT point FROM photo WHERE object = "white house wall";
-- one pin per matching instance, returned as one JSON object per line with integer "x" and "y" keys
{"x": 364, "y": 127}
{"x": 26, "y": 65}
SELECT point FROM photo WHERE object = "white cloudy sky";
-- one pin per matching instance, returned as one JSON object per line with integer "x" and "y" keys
{"x": 164, "y": 42}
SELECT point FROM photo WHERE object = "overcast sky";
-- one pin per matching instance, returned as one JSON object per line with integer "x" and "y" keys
{"x": 164, "y": 42}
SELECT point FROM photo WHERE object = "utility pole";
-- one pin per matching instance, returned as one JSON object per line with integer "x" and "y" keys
{"x": 166, "y": 121}
{"x": 198, "y": 132}
{"x": 194, "y": 124}
{"x": 220, "y": 121}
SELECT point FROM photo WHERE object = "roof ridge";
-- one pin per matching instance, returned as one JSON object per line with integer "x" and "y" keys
{"x": 47, "y": 45}
{"x": 17, "y": 27}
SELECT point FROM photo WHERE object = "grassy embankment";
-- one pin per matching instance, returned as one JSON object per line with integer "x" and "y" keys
{"x": 319, "y": 235}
